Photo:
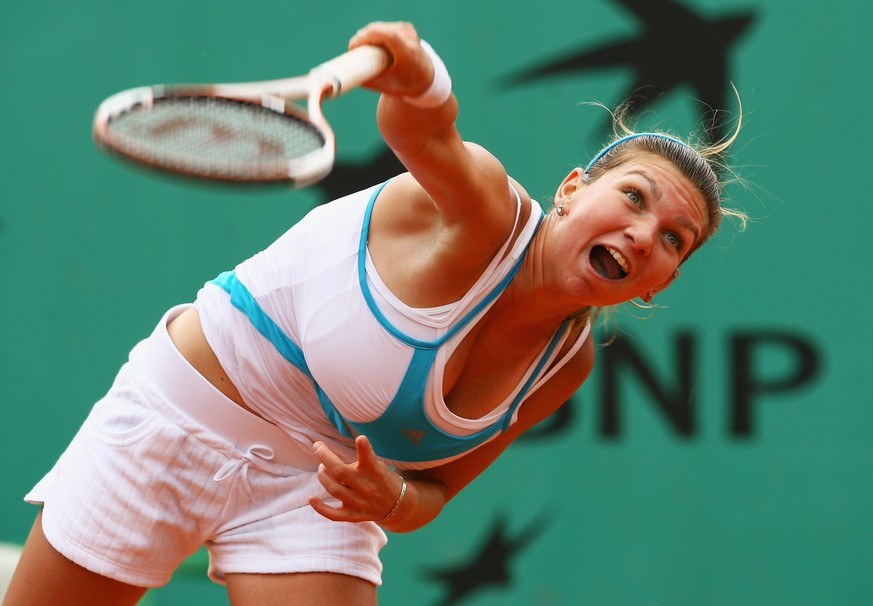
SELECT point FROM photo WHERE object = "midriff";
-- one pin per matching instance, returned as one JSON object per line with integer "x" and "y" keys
{"x": 187, "y": 335}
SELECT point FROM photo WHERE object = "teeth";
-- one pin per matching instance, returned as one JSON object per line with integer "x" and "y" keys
{"x": 618, "y": 257}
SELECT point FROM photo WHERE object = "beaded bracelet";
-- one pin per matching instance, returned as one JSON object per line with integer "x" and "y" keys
{"x": 396, "y": 503}
{"x": 440, "y": 88}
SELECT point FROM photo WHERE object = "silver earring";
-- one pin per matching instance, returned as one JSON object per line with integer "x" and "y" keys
{"x": 561, "y": 209}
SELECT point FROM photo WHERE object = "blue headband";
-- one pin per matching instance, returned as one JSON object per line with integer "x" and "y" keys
{"x": 607, "y": 149}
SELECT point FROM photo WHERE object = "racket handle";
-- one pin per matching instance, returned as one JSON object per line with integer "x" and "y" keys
{"x": 353, "y": 68}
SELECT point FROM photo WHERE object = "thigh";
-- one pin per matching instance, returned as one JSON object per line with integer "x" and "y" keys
{"x": 300, "y": 589}
{"x": 44, "y": 576}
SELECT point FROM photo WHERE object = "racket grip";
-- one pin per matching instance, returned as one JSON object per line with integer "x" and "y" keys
{"x": 353, "y": 68}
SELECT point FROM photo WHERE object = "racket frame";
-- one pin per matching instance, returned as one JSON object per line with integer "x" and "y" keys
{"x": 325, "y": 81}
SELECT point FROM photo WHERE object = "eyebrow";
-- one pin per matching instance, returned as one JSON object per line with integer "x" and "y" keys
{"x": 652, "y": 185}
{"x": 656, "y": 191}
{"x": 690, "y": 227}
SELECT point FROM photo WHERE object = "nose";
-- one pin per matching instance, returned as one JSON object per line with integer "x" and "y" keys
{"x": 642, "y": 234}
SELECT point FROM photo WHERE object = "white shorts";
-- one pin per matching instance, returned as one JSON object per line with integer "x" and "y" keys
{"x": 165, "y": 463}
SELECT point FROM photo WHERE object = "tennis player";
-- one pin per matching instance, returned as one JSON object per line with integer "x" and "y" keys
{"x": 364, "y": 368}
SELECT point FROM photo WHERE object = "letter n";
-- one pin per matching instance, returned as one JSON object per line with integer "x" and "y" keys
{"x": 673, "y": 395}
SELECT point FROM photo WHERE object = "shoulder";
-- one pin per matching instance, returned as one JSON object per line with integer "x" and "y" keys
{"x": 523, "y": 195}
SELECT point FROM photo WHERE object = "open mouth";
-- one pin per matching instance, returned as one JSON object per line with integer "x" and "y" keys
{"x": 608, "y": 262}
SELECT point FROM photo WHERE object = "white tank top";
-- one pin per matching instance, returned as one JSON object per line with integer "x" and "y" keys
{"x": 307, "y": 282}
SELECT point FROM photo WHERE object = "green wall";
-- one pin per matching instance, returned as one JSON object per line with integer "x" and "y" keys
{"x": 721, "y": 452}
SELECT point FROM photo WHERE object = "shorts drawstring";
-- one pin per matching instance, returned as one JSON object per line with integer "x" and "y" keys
{"x": 257, "y": 455}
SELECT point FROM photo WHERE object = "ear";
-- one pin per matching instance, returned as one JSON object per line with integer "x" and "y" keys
{"x": 569, "y": 185}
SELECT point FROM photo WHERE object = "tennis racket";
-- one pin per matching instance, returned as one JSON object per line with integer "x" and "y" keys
{"x": 246, "y": 132}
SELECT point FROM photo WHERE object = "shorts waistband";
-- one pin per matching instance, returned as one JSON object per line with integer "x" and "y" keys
{"x": 186, "y": 390}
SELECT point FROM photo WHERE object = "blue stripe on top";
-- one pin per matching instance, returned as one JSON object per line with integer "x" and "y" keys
{"x": 403, "y": 432}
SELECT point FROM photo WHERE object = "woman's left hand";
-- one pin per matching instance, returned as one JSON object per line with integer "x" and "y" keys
{"x": 366, "y": 489}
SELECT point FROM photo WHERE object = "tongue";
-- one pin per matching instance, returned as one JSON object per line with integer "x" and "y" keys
{"x": 605, "y": 264}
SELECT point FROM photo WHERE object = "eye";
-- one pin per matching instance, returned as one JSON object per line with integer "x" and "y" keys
{"x": 634, "y": 195}
{"x": 675, "y": 241}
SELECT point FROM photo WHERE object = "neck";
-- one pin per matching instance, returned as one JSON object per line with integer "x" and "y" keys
{"x": 529, "y": 296}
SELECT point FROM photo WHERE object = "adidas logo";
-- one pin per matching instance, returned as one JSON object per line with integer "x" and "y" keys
{"x": 413, "y": 435}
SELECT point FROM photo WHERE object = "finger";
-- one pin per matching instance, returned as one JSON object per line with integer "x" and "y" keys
{"x": 337, "y": 488}
{"x": 338, "y": 469}
{"x": 332, "y": 466}
{"x": 331, "y": 513}
{"x": 326, "y": 456}
{"x": 367, "y": 458}
{"x": 409, "y": 65}
{"x": 380, "y": 32}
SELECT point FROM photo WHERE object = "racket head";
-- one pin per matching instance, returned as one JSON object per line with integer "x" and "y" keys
{"x": 192, "y": 131}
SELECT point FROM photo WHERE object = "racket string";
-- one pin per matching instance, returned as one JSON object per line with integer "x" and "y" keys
{"x": 214, "y": 137}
